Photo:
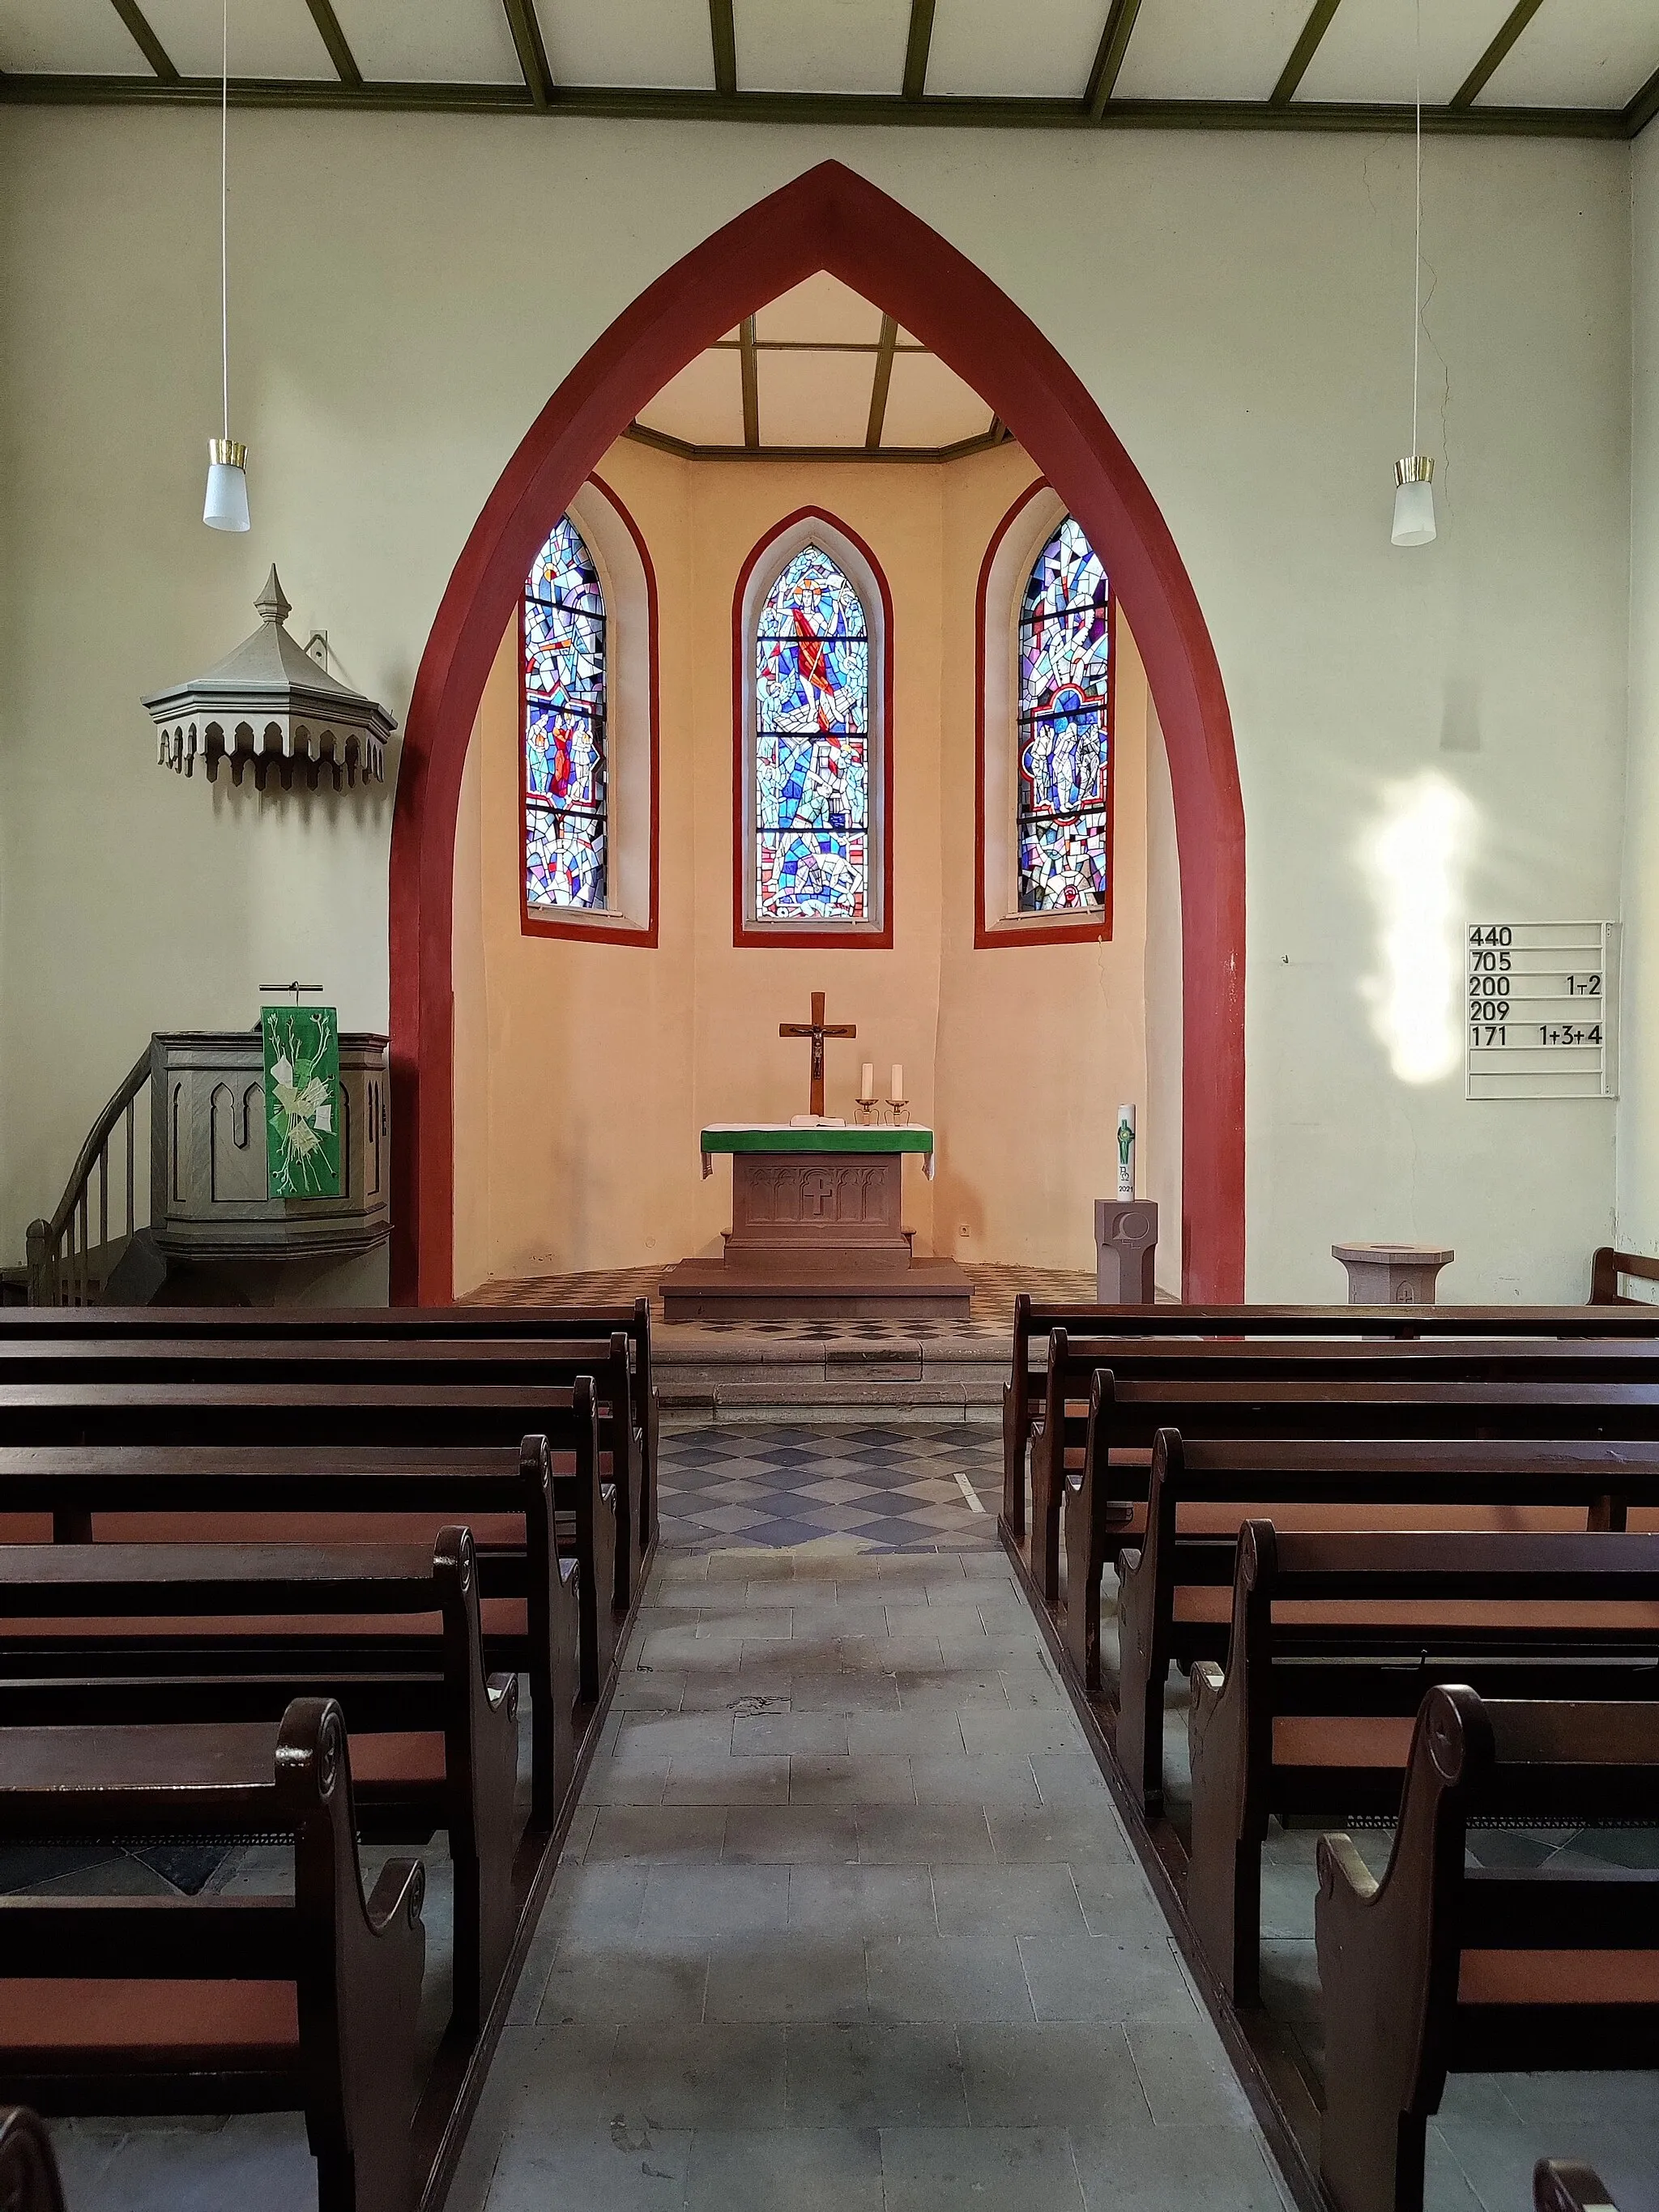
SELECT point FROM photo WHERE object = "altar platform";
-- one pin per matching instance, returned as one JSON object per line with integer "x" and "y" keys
{"x": 817, "y": 1231}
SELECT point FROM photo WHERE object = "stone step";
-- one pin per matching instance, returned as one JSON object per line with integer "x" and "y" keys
{"x": 731, "y": 1375}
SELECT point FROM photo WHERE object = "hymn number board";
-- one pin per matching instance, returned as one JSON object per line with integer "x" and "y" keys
{"x": 1541, "y": 1008}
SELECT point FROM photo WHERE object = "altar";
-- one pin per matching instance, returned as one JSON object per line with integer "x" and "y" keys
{"x": 817, "y": 1231}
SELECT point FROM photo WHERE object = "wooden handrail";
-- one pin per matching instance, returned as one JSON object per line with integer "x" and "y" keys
{"x": 52, "y": 1283}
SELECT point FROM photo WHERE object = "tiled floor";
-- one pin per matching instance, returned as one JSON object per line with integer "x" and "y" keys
{"x": 900, "y": 1486}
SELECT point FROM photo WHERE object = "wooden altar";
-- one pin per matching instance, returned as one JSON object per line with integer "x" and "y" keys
{"x": 816, "y": 1231}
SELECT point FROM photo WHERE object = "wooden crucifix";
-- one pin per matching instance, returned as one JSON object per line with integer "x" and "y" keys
{"x": 817, "y": 1029}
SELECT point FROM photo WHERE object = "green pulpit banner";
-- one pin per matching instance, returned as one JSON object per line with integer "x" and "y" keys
{"x": 302, "y": 1101}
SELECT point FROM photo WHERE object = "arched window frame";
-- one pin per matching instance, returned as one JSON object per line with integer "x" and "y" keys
{"x": 1005, "y": 572}
{"x": 629, "y": 584}
{"x": 810, "y": 526}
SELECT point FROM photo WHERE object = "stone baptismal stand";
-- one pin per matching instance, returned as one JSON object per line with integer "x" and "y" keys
{"x": 815, "y": 1231}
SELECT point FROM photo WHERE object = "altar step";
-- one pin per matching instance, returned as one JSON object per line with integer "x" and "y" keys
{"x": 849, "y": 1372}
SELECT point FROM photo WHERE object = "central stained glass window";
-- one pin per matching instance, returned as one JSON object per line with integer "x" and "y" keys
{"x": 1064, "y": 728}
{"x": 812, "y": 747}
{"x": 565, "y": 803}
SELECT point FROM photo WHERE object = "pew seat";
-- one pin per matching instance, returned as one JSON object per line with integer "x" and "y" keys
{"x": 307, "y": 2002}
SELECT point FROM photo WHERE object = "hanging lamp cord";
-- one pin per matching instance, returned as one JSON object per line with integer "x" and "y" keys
{"x": 224, "y": 215}
{"x": 1417, "y": 244}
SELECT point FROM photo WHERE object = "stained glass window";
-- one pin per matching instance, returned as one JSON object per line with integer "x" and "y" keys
{"x": 565, "y": 828}
{"x": 812, "y": 747}
{"x": 1064, "y": 727}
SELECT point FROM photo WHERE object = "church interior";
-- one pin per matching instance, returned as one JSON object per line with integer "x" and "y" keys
{"x": 829, "y": 1284}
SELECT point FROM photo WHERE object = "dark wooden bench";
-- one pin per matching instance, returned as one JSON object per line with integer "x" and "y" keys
{"x": 1173, "y": 1605}
{"x": 1036, "y": 1320}
{"x": 474, "y": 1324}
{"x": 1334, "y": 1640}
{"x": 1104, "y": 1510}
{"x": 444, "y": 1362}
{"x": 1560, "y": 2185}
{"x": 542, "y": 1573}
{"x": 102, "y": 1634}
{"x": 211, "y": 2004}
{"x": 28, "y": 2171}
{"x": 1060, "y": 1438}
{"x": 1444, "y": 1967}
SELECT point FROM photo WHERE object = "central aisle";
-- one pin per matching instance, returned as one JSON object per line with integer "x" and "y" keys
{"x": 846, "y": 1922}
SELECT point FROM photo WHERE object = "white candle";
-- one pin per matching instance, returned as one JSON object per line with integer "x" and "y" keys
{"x": 1126, "y": 1153}
{"x": 897, "y": 1094}
{"x": 867, "y": 1085}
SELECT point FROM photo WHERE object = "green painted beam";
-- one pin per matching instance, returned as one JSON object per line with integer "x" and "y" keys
{"x": 1477, "y": 78}
{"x": 723, "y": 33}
{"x": 328, "y": 29}
{"x": 1642, "y": 109}
{"x": 526, "y": 30}
{"x": 1303, "y": 52}
{"x": 1109, "y": 57}
{"x": 749, "y": 373}
{"x": 638, "y": 105}
{"x": 146, "y": 41}
{"x": 661, "y": 442}
{"x": 881, "y": 381}
{"x": 916, "y": 47}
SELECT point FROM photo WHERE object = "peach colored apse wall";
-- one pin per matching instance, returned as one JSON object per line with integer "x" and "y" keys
{"x": 584, "y": 1071}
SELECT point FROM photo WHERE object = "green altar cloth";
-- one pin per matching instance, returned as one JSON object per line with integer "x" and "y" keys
{"x": 791, "y": 1137}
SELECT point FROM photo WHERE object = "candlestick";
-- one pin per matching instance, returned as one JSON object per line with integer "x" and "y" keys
{"x": 867, "y": 1084}
{"x": 895, "y": 1094}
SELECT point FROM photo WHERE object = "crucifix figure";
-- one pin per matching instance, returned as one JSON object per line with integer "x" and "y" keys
{"x": 817, "y": 1029}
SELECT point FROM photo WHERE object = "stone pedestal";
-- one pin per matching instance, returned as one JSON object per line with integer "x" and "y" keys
{"x": 1392, "y": 1275}
{"x": 1126, "y": 1248}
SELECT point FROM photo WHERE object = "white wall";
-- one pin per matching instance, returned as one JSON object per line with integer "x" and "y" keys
{"x": 407, "y": 291}
{"x": 1638, "y": 1129}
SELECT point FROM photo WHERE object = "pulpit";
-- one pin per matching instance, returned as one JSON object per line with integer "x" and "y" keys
{"x": 816, "y": 1231}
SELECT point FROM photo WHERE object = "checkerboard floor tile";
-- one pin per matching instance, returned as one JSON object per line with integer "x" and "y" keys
{"x": 888, "y": 1488}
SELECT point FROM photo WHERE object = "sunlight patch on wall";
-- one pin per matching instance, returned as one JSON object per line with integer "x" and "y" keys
{"x": 1414, "y": 856}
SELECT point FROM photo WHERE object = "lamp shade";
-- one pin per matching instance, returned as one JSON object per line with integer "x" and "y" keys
{"x": 1413, "y": 500}
{"x": 226, "y": 505}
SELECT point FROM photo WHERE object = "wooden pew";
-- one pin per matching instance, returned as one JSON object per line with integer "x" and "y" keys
{"x": 1104, "y": 1501}
{"x": 1559, "y": 2185}
{"x": 100, "y": 1634}
{"x": 355, "y": 1359}
{"x": 1466, "y": 1484}
{"x": 1444, "y": 1967}
{"x": 1334, "y": 1641}
{"x": 1607, "y": 1266}
{"x": 392, "y": 1324}
{"x": 1036, "y": 1320}
{"x": 1060, "y": 1438}
{"x": 28, "y": 2170}
{"x": 542, "y": 1591}
{"x": 206, "y": 2004}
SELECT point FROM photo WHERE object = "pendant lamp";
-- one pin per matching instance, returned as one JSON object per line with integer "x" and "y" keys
{"x": 226, "y": 505}
{"x": 1414, "y": 476}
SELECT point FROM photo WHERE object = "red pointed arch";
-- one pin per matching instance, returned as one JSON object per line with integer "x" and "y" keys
{"x": 829, "y": 218}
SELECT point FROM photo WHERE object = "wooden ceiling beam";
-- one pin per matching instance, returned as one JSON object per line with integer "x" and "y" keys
{"x": 521, "y": 21}
{"x": 916, "y": 49}
{"x": 881, "y": 382}
{"x": 1109, "y": 57}
{"x": 1303, "y": 52}
{"x": 146, "y": 41}
{"x": 750, "y": 370}
{"x": 638, "y": 104}
{"x": 663, "y": 442}
{"x": 723, "y": 31}
{"x": 328, "y": 29}
{"x": 1477, "y": 78}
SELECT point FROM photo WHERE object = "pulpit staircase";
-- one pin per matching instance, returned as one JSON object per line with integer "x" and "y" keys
{"x": 94, "y": 1249}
